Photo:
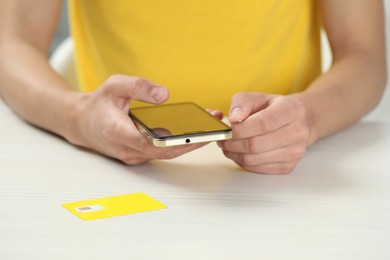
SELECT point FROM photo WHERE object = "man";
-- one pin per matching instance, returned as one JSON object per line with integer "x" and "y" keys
{"x": 261, "y": 55}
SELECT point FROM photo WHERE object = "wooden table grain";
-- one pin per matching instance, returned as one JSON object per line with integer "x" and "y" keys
{"x": 335, "y": 205}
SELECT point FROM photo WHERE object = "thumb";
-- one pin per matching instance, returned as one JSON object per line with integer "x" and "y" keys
{"x": 245, "y": 104}
{"x": 127, "y": 87}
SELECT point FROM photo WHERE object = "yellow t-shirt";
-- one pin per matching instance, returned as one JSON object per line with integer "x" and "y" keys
{"x": 202, "y": 50}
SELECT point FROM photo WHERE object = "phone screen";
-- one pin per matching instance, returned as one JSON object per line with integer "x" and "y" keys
{"x": 177, "y": 120}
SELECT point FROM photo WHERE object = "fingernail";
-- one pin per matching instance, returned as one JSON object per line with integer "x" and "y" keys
{"x": 157, "y": 93}
{"x": 236, "y": 111}
{"x": 213, "y": 113}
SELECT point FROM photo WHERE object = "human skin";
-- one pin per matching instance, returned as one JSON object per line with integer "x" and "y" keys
{"x": 96, "y": 120}
{"x": 275, "y": 131}
{"x": 271, "y": 133}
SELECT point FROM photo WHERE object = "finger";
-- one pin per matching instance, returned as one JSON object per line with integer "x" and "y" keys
{"x": 245, "y": 104}
{"x": 215, "y": 113}
{"x": 129, "y": 136}
{"x": 285, "y": 136}
{"x": 139, "y": 149}
{"x": 272, "y": 168}
{"x": 176, "y": 151}
{"x": 291, "y": 153}
{"x": 130, "y": 156}
{"x": 123, "y": 131}
{"x": 136, "y": 88}
{"x": 279, "y": 113}
{"x": 124, "y": 138}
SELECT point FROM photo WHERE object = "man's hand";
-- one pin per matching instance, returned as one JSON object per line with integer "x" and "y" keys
{"x": 102, "y": 123}
{"x": 270, "y": 133}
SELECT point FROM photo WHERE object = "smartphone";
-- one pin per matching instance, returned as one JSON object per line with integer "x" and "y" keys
{"x": 178, "y": 124}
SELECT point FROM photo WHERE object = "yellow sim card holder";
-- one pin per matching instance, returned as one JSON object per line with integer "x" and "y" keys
{"x": 113, "y": 206}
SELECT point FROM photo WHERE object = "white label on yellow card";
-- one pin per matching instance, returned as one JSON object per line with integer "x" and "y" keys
{"x": 113, "y": 206}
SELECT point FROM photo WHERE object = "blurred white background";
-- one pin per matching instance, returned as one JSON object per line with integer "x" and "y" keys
{"x": 382, "y": 111}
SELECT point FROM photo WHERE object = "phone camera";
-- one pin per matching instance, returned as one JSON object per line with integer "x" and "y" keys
{"x": 188, "y": 141}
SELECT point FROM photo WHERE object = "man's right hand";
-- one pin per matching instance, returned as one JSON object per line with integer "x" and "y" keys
{"x": 101, "y": 121}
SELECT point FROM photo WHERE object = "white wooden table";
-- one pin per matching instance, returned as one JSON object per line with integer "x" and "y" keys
{"x": 335, "y": 205}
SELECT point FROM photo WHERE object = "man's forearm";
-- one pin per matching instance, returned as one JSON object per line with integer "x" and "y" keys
{"x": 33, "y": 90}
{"x": 350, "y": 89}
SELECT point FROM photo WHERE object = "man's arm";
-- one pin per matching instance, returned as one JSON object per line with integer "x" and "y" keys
{"x": 271, "y": 133}
{"x": 355, "y": 82}
{"x": 27, "y": 83}
{"x": 97, "y": 120}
